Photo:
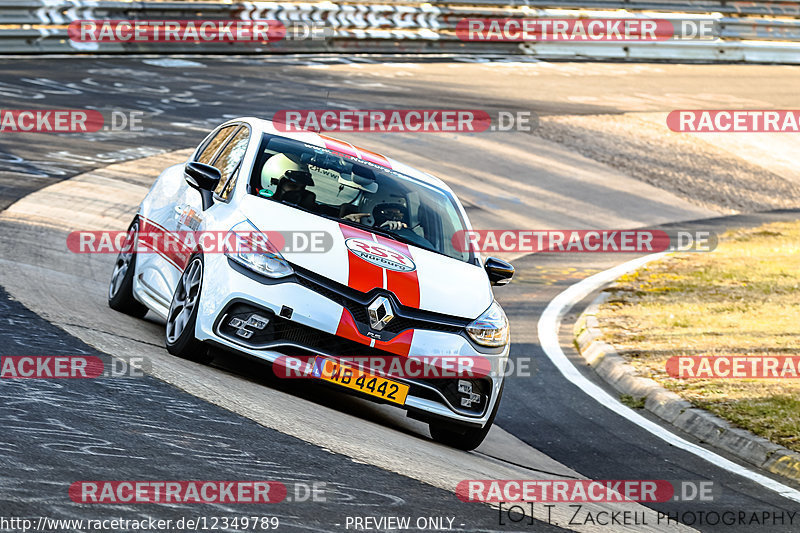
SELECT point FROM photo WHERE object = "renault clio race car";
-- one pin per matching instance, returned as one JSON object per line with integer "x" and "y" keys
{"x": 388, "y": 280}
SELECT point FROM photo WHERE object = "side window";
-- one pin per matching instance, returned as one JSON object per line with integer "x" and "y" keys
{"x": 211, "y": 147}
{"x": 228, "y": 161}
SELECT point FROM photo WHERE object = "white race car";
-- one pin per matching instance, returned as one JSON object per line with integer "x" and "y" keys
{"x": 384, "y": 279}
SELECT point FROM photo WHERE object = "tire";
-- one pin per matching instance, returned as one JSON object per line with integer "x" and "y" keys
{"x": 182, "y": 317}
{"x": 464, "y": 438}
{"x": 120, "y": 289}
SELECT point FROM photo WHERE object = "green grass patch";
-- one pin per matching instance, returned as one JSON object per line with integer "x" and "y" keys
{"x": 632, "y": 402}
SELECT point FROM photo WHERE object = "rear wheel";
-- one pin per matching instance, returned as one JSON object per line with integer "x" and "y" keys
{"x": 120, "y": 290}
{"x": 182, "y": 316}
{"x": 464, "y": 438}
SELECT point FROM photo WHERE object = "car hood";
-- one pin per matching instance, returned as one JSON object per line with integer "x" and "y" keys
{"x": 363, "y": 261}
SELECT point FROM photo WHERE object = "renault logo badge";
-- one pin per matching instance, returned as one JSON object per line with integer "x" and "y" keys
{"x": 380, "y": 313}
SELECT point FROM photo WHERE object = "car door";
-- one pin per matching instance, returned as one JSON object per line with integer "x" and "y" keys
{"x": 228, "y": 159}
{"x": 223, "y": 151}
{"x": 189, "y": 214}
{"x": 175, "y": 208}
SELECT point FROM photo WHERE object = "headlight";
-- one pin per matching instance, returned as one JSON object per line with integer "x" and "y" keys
{"x": 491, "y": 328}
{"x": 252, "y": 249}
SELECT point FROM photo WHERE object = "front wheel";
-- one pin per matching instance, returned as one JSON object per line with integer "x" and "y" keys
{"x": 120, "y": 290}
{"x": 182, "y": 316}
{"x": 464, "y": 438}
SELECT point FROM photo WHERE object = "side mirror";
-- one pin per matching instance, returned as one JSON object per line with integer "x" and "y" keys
{"x": 204, "y": 178}
{"x": 500, "y": 272}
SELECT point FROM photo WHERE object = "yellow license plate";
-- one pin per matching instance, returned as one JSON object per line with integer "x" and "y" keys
{"x": 354, "y": 378}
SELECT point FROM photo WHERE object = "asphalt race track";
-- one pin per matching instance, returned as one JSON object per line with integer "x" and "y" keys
{"x": 233, "y": 419}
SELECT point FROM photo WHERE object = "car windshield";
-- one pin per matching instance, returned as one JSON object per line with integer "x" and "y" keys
{"x": 357, "y": 192}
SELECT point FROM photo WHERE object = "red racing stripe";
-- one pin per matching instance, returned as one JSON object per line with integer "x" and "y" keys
{"x": 339, "y": 146}
{"x": 372, "y": 157}
{"x": 177, "y": 255}
{"x": 404, "y": 285}
{"x": 400, "y": 345}
{"x": 363, "y": 276}
{"x": 347, "y": 329}
{"x": 355, "y": 151}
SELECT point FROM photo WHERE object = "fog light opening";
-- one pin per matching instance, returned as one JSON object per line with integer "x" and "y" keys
{"x": 254, "y": 321}
{"x": 465, "y": 388}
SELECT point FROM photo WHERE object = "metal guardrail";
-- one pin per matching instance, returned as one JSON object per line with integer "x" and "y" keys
{"x": 746, "y": 31}
{"x": 787, "y": 9}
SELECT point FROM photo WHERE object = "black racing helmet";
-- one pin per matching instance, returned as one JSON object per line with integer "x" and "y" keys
{"x": 299, "y": 177}
{"x": 388, "y": 211}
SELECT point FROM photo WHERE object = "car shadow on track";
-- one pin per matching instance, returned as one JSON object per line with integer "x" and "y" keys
{"x": 261, "y": 372}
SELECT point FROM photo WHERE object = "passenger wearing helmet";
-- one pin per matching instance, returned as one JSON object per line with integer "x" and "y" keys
{"x": 292, "y": 189}
{"x": 291, "y": 179}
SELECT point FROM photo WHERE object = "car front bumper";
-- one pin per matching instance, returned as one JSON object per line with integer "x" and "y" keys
{"x": 298, "y": 308}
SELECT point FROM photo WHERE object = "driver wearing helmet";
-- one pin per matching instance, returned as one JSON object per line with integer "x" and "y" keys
{"x": 388, "y": 216}
{"x": 391, "y": 217}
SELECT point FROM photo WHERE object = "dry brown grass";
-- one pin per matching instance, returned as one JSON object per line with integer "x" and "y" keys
{"x": 741, "y": 299}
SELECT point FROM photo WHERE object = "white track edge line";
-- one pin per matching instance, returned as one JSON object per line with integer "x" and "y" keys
{"x": 548, "y": 330}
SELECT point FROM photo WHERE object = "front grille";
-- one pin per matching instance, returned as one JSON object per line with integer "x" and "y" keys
{"x": 356, "y": 302}
{"x": 316, "y": 339}
{"x": 281, "y": 329}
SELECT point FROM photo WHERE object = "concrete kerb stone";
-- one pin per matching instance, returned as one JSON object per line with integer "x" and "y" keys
{"x": 670, "y": 407}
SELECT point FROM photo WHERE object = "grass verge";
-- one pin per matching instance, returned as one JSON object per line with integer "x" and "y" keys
{"x": 741, "y": 299}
